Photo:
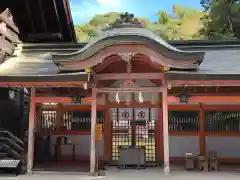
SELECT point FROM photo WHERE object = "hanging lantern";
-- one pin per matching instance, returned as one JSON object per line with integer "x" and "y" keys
{"x": 117, "y": 98}
{"x": 183, "y": 99}
{"x": 77, "y": 99}
{"x": 140, "y": 97}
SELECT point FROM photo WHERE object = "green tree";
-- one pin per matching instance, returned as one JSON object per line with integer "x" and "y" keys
{"x": 104, "y": 20}
{"x": 183, "y": 23}
{"x": 220, "y": 18}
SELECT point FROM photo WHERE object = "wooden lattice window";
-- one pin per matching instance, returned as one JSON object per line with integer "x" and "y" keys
{"x": 80, "y": 120}
{"x": 49, "y": 119}
{"x": 183, "y": 121}
{"x": 224, "y": 121}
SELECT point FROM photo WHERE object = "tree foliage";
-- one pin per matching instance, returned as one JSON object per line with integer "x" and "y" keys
{"x": 183, "y": 23}
{"x": 221, "y": 19}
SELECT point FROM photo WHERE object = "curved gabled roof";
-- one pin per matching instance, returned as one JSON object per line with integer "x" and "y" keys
{"x": 130, "y": 35}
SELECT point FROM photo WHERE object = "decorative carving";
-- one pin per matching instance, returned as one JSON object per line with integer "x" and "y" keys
{"x": 125, "y": 114}
{"x": 141, "y": 114}
{"x": 129, "y": 84}
{"x": 7, "y": 17}
{"x": 127, "y": 19}
{"x": 127, "y": 56}
{"x": 18, "y": 50}
{"x": 10, "y": 44}
{"x": 129, "y": 68}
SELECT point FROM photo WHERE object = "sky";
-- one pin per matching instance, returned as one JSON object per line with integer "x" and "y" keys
{"x": 84, "y": 10}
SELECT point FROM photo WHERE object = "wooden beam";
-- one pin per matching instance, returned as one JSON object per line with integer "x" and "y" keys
{"x": 137, "y": 89}
{"x": 207, "y": 99}
{"x": 32, "y": 119}
{"x": 130, "y": 76}
{"x": 42, "y": 15}
{"x": 30, "y": 16}
{"x": 202, "y": 83}
{"x": 57, "y": 15}
{"x": 32, "y": 37}
{"x": 53, "y": 100}
{"x": 42, "y": 84}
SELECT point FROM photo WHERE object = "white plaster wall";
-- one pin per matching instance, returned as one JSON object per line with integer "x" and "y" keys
{"x": 180, "y": 145}
{"x": 228, "y": 147}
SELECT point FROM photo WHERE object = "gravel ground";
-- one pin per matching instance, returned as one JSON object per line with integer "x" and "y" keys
{"x": 145, "y": 174}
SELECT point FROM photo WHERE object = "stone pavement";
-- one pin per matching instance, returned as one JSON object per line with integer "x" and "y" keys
{"x": 145, "y": 174}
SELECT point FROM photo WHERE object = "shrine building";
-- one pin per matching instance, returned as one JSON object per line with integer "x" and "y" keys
{"x": 171, "y": 98}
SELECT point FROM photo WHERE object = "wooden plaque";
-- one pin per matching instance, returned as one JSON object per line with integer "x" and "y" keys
{"x": 98, "y": 132}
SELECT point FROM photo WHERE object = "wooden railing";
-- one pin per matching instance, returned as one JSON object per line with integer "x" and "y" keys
{"x": 222, "y": 121}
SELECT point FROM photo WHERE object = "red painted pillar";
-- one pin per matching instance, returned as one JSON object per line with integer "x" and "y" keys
{"x": 165, "y": 129}
{"x": 31, "y": 133}
{"x": 159, "y": 132}
{"x": 202, "y": 132}
{"x": 107, "y": 131}
{"x": 93, "y": 127}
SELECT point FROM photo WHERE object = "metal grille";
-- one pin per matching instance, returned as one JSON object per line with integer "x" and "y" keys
{"x": 80, "y": 120}
{"x": 121, "y": 129}
{"x": 134, "y": 127}
{"x": 49, "y": 119}
{"x": 67, "y": 123}
{"x": 222, "y": 121}
{"x": 145, "y": 131}
{"x": 183, "y": 121}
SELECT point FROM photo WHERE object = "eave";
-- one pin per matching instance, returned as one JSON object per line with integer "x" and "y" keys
{"x": 58, "y": 80}
{"x": 188, "y": 45}
{"x": 40, "y": 21}
{"x": 137, "y": 37}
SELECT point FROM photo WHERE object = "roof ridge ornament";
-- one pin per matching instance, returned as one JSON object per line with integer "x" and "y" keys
{"x": 127, "y": 19}
{"x": 127, "y": 56}
{"x": 18, "y": 50}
